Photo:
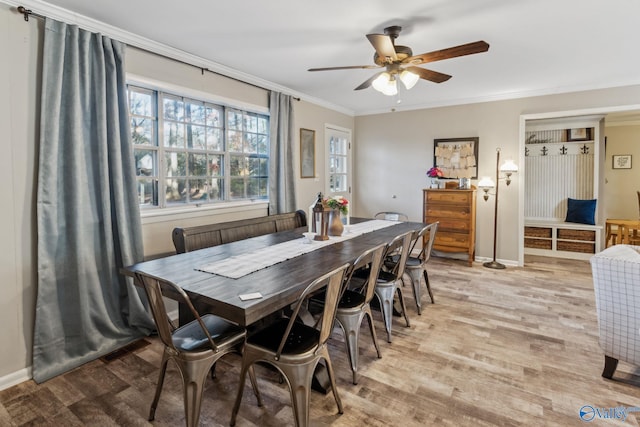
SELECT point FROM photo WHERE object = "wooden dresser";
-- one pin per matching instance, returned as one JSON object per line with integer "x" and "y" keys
{"x": 456, "y": 212}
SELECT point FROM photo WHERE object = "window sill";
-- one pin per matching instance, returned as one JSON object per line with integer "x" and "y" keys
{"x": 150, "y": 216}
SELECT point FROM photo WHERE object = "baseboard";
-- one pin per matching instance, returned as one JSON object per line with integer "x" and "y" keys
{"x": 15, "y": 378}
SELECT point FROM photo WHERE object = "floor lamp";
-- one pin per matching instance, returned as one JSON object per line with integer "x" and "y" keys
{"x": 486, "y": 184}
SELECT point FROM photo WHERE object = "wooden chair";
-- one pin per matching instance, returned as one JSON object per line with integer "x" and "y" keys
{"x": 295, "y": 349}
{"x": 194, "y": 347}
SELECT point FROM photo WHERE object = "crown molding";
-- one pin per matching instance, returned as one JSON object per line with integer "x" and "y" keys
{"x": 135, "y": 40}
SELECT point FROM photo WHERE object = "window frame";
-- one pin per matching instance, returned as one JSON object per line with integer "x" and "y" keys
{"x": 161, "y": 90}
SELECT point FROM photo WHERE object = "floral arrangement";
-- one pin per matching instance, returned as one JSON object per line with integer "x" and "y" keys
{"x": 435, "y": 172}
{"x": 338, "y": 202}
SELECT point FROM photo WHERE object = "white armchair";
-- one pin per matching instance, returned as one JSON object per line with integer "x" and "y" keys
{"x": 616, "y": 280}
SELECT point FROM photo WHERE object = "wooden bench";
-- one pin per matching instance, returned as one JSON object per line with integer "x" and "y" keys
{"x": 557, "y": 238}
{"x": 187, "y": 239}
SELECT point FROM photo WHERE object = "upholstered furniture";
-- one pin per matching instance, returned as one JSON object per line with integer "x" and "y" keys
{"x": 616, "y": 281}
{"x": 187, "y": 239}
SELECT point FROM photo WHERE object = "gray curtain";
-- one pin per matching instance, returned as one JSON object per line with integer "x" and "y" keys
{"x": 282, "y": 195}
{"x": 88, "y": 218}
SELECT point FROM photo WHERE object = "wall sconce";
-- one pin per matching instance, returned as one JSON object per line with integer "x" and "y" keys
{"x": 508, "y": 168}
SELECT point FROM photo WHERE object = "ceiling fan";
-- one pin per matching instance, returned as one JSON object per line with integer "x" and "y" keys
{"x": 400, "y": 62}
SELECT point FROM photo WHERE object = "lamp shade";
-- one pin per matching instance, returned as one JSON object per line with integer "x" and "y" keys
{"x": 486, "y": 182}
{"x": 409, "y": 79}
{"x": 509, "y": 166}
{"x": 381, "y": 81}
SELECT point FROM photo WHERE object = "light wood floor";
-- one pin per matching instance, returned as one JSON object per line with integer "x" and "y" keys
{"x": 510, "y": 347}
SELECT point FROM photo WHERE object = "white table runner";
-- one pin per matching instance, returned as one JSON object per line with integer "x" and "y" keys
{"x": 240, "y": 265}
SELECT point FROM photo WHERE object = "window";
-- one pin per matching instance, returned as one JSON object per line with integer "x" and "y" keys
{"x": 194, "y": 152}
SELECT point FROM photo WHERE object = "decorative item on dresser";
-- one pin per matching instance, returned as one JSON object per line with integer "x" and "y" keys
{"x": 455, "y": 210}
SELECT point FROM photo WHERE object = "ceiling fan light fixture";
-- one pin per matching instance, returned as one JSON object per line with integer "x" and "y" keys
{"x": 386, "y": 84}
{"x": 409, "y": 79}
{"x": 381, "y": 82}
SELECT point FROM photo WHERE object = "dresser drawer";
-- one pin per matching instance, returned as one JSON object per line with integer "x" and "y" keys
{"x": 453, "y": 196}
{"x": 457, "y": 240}
{"x": 445, "y": 211}
{"x": 451, "y": 224}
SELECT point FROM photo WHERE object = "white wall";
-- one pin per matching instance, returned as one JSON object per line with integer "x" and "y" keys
{"x": 20, "y": 43}
{"x": 621, "y": 201}
{"x": 391, "y": 155}
{"x": 394, "y": 151}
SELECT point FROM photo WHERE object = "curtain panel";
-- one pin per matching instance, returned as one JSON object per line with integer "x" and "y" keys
{"x": 282, "y": 195}
{"x": 87, "y": 213}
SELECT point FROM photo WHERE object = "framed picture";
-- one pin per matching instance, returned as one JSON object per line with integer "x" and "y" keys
{"x": 307, "y": 153}
{"x": 579, "y": 134}
{"x": 457, "y": 157}
{"x": 622, "y": 161}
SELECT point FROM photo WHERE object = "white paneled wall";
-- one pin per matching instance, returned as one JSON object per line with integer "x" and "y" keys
{"x": 552, "y": 179}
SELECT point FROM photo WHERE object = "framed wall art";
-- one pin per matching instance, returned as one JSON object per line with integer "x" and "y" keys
{"x": 457, "y": 157}
{"x": 579, "y": 134}
{"x": 307, "y": 153}
{"x": 622, "y": 161}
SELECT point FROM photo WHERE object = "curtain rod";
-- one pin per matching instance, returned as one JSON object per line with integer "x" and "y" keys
{"x": 28, "y": 12}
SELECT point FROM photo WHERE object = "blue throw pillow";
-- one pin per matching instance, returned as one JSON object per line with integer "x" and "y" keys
{"x": 581, "y": 211}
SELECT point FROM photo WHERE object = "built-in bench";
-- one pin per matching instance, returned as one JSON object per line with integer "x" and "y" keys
{"x": 187, "y": 239}
{"x": 557, "y": 238}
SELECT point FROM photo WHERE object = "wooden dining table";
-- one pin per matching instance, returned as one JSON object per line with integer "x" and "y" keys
{"x": 280, "y": 285}
{"x": 622, "y": 231}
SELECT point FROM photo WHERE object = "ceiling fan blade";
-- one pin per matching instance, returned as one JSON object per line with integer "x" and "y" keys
{"x": 384, "y": 46}
{"x": 348, "y": 67}
{"x": 432, "y": 76}
{"x": 452, "y": 52}
{"x": 368, "y": 82}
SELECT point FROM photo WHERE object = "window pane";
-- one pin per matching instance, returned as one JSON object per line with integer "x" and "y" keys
{"x": 263, "y": 144}
{"x": 263, "y": 125}
{"x": 237, "y": 166}
{"x": 196, "y": 137}
{"x": 175, "y": 191}
{"x": 197, "y": 164}
{"x": 195, "y": 113}
{"x": 145, "y": 162}
{"x": 141, "y": 103}
{"x": 216, "y": 190}
{"x": 198, "y": 190}
{"x": 234, "y": 120}
{"x": 146, "y": 191}
{"x": 256, "y": 188}
{"x": 142, "y": 131}
{"x": 257, "y": 166}
{"x": 175, "y": 164}
{"x": 214, "y": 139}
{"x": 214, "y": 116}
{"x": 234, "y": 141}
{"x": 250, "y": 123}
{"x": 173, "y": 134}
{"x": 173, "y": 109}
{"x": 216, "y": 165}
{"x": 251, "y": 143}
{"x": 237, "y": 188}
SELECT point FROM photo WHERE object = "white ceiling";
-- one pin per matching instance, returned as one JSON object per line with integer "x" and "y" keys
{"x": 537, "y": 46}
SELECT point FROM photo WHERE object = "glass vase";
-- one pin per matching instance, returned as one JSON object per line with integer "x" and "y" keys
{"x": 335, "y": 223}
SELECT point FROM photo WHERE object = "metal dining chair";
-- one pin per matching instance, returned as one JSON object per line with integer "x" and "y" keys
{"x": 295, "y": 349}
{"x": 391, "y": 216}
{"x": 354, "y": 304}
{"x": 387, "y": 284}
{"x": 416, "y": 265}
{"x": 194, "y": 347}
